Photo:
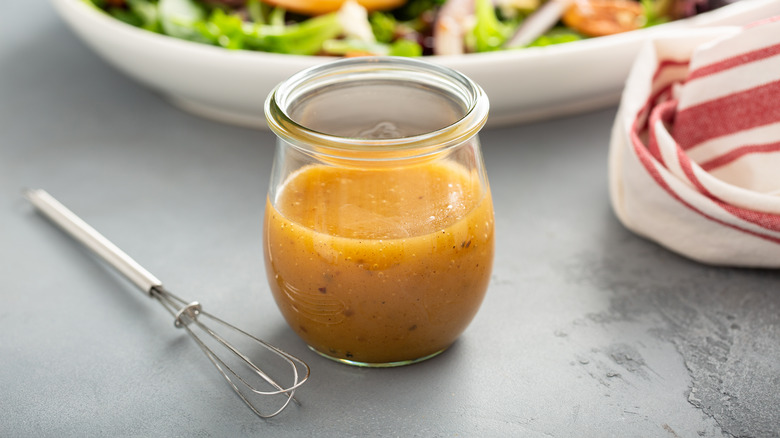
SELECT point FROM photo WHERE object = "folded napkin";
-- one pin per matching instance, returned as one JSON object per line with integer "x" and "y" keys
{"x": 695, "y": 152}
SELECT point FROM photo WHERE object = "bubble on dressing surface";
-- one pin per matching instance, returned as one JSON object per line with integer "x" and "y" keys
{"x": 380, "y": 131}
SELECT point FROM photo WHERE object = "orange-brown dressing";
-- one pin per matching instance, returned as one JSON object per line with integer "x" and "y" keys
{"x": 380, "y": 265}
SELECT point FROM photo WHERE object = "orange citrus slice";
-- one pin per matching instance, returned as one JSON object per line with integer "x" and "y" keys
{"x": 604, "y": 17}
{"x": 317, "y": 7}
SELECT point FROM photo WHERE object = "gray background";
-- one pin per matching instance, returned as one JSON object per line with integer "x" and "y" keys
{"x": 587, "y": 329}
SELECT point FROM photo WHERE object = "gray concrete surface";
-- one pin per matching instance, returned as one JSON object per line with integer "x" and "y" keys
{"x": 587, "y": 329}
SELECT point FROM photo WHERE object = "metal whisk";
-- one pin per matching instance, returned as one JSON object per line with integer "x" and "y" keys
{"x": 187, "y": 315}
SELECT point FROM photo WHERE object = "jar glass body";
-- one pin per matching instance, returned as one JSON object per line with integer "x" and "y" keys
{"x": 378, "y": 231}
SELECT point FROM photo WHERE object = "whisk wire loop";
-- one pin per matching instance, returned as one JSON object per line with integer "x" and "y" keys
{"x": 187, "y": 315}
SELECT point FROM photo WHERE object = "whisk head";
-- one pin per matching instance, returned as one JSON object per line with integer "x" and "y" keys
{"x": 242, "y": 373}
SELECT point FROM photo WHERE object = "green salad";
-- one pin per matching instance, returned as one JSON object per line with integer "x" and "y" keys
{"x": 394, "y": 27}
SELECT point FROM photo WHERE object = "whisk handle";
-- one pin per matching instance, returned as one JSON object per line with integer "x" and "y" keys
{"x": 89, "y": 237}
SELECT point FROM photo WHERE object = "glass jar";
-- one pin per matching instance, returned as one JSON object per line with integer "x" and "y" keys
{"x": 378, "y": 230}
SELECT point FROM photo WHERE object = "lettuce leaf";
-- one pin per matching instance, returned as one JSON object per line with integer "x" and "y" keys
{"x": 178, "y": 19}
{"x": 304, "y": 38}
{"x": 399, "y": 47}
{"x": 489, "y": 33}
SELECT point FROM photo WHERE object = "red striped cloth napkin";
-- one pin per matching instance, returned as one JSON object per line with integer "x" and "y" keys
{"x": 695, "y": 152}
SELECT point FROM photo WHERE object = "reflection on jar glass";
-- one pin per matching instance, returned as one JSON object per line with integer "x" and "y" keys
{"x": 378, "y": 232}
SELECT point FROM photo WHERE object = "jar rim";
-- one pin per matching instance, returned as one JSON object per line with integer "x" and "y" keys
{"x": 474, "y": 116}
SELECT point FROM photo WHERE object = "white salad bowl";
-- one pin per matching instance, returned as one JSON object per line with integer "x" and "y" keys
{"x": 522, "y": 85}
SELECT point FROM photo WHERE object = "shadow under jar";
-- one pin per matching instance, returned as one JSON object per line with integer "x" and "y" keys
{"x": 379, "y": 230}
